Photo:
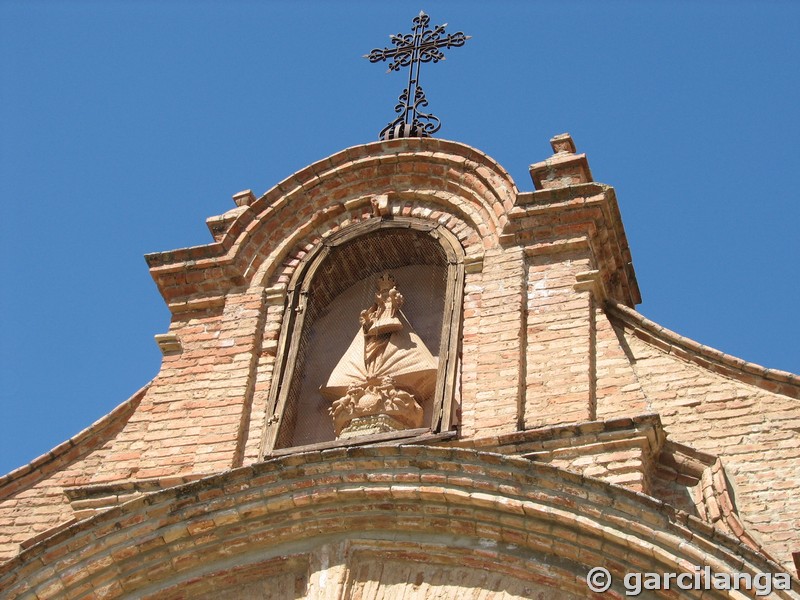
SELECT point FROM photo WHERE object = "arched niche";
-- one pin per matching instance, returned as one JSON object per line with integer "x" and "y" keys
{"x": 329, "y": 289}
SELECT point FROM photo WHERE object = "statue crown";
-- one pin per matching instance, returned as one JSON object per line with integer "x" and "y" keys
{"x": 386, "y": 282}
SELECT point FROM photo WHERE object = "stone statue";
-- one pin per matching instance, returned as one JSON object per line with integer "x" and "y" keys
{"x": 386, "y": 373}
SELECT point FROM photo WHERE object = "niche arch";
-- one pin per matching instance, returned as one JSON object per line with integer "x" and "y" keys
{"x": 333, "y": 283}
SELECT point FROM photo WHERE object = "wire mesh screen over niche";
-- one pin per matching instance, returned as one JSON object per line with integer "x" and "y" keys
{"x": 345, "y": 285}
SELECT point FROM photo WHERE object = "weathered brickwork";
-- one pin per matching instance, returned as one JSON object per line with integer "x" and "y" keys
{"x": 618, "y": 390}
{"x": 632, "y": 452}
{"x": 492, "y": 341}
{"x": 32, "y": 500}
{"x": 559, "y": 342}
{"x": 755, "y": 432}
{"x": 623, "y": 451}
{"x": 581, "y": 434}
{"x": 514, "y": 517}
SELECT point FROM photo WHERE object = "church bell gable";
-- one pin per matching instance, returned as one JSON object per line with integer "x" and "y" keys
{"x": 419, "y": 204}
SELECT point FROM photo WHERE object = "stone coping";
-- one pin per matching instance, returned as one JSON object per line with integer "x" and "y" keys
{"x": 76, "y": 445}
{"x": 773, "y": 380}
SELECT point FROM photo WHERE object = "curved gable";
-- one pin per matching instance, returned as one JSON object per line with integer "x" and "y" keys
{"x": 426, "y": 178}
{"x": 522, "y": 302}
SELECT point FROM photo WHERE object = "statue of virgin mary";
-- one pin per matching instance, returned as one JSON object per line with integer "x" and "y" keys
{"x": 386, "y": 373}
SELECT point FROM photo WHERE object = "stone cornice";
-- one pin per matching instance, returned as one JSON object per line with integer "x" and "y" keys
{"x": 556, "y": 220}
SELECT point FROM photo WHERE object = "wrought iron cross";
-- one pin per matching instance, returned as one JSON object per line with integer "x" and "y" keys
{"x": 411, "y": 50}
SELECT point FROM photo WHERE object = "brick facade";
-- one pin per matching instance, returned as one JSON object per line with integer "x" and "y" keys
{"x": 575, "y": 432}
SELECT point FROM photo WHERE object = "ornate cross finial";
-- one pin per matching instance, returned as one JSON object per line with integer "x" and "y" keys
{"x": 411, "y": 50}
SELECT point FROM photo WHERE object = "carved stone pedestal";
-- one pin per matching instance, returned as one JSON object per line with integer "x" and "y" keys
{"x": 369, "y": 425}
{"x": 375, "y": 407}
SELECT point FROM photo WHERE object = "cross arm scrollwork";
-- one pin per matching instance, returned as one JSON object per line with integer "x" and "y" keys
{"x": 423, "y": 45}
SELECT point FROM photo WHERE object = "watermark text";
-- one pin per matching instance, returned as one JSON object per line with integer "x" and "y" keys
{"x": 600, "y": 580}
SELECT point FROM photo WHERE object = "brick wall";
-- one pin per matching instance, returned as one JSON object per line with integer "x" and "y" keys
{"x": 492, "y": 340}
{"x": 719, "y": 405}
{"x": 321, "y": 517}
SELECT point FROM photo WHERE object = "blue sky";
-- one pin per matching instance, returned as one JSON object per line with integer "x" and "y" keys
{"x": 124, "y": 125}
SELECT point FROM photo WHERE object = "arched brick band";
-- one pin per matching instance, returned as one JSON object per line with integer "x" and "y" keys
{"x": 509, "y": 510}
{"x": 432, "y": 173}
